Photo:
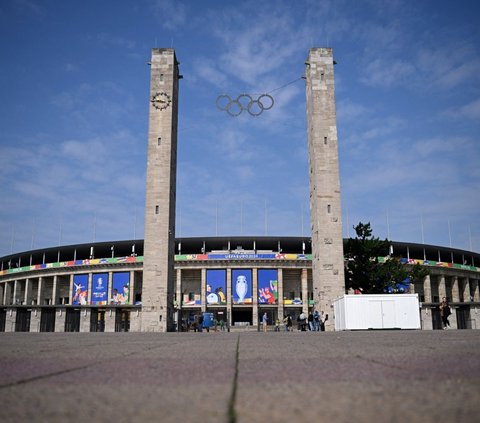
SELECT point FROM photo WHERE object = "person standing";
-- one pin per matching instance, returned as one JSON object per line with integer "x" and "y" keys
{"x": 445, "y": 311}
{"x": 310, "y": 322}
{"x": 264, "y": 321}
{"x": 316, "y": 321}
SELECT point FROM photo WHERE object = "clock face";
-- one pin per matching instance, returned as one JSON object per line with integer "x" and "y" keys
{"x": 161, "y": 100}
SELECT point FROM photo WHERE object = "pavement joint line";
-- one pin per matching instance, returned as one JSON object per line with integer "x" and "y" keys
{"x": 74, "y": 369}
{"x": 232, "y": 414}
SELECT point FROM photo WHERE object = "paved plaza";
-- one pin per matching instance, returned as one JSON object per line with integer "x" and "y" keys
{"x": 384, "y": 376}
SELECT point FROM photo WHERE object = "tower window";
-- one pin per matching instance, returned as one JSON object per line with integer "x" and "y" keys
{"x": 325, "y": 140}
{"x": 157, "y": 209}
{"x": 159, "y": 140}
{"x": 322, "y": 76}
{"x": 161, "y": 77}
{"x": 329, "y": 209}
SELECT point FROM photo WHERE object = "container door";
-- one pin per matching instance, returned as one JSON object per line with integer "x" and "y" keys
{"x": 388, "y": 314}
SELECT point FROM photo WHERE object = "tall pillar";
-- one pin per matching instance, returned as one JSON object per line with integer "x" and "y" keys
{"x": 70, "y": 290}
{"x": 304, "y": 288}
{"x": 55, "y": 289}
{"x": 255, "y": 321}
{"x": 2, "y": 293}
{"x": 427, "y": 289}
{"x": 325, "y": 208}
{"x": 475, "y": 289}
{"x": 229, "y": 296}
{"x": 15, "y": 290}
{"x": 40, "y": 291}
{"x": 159, "y": 244}
{"x": 465, "y": 290}
{"x": 89, "y": 289}
{"x": 281, "y": 312}
{"x": 442, "y": 287}
{"x": 131, "y": 289}
{"x": 28, "y": 292}
{"x": 455, "y": 290}
{"x": 203, "y": 289}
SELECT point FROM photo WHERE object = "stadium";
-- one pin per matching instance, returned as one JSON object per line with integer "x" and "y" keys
{"x": 76, "y": 288}
{"x": 161, "y": 283}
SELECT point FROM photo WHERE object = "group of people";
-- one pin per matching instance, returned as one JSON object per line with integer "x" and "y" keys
{"x": 314, "y": 322}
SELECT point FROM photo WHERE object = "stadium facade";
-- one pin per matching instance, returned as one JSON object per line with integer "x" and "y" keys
{"x": 155, "y": 284}
{"x": 99, "y": 287}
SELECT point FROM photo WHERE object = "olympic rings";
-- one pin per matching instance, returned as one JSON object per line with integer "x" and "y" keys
{"x": 225, "y": 103}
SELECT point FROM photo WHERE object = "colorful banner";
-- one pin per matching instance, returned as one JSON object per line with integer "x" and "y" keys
{"x": 242, "y": 256}
{"x": 268, "y": 286}
{"x": 99, "y": 289}
{"x": 120, "y": 288}
{"x": 216, "y": 287}
{"x": 242, "y": 286}
{"x": 80, "y": 290}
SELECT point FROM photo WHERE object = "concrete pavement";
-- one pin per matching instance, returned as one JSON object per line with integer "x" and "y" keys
{"x": 390, "y": 376}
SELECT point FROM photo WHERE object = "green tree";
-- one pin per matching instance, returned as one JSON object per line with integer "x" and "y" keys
{"x": 364, "y": 271}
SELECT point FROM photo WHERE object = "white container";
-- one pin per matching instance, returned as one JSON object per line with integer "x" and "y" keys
{"x": 378, "y": 311}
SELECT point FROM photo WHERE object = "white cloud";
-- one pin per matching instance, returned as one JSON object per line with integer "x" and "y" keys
{"x": 468, "y": 111}
{"x": 171, "y": 14}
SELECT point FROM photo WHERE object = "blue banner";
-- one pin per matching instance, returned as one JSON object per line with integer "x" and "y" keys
{"x": 216, "y": 287}
{"x": 100, "y": 288}
{"x": 80, "y": 290}
{"x": 121, "y": 288}
{"x": 268, "y": 286}
{"x": 242, "y": 286}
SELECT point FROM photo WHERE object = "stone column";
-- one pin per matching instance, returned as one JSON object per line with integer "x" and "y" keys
{"x": 304, "y": 285}
{"x": 455, "y": 290}
{"x": 10, "y": 320}
{"x": 55, "y": 290}
{"x": 326, "y": 213}
{"x": 442, "y": 288}
{"x": 40, "y": 291}
{"x": 203, "y": 289}
{"x": 475, "y": 290}
{"x": 2, "y": 293}
{"x": 15, "y": 289}
{"x": 427, "y": 289}
{"x": 60, "y": 320}
{"x": 131, "y": 289}
{"x": 281, "y": 312}
{"x": 229, "y": 296}
{"x": 70, "y": 295}
{"x": 255, "y": 321}
{"x": 35, "y": 317}
{"x": 110, "y": 320}
{"x": 179, "y": 289}
{"x": 426, "y": 315}
{"x": 89, "y": 297}
{"x": 465, "y": 292}
{"x": 159, "y": 244}
{"x": 85, "y": 318}
{"x": 28, "y": 292}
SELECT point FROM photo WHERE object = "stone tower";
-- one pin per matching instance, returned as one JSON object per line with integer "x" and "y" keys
{"x": 325, "y": 210}
{"x": 159, "y": 245}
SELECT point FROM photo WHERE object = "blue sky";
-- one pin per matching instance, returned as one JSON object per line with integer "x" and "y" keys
{"x": 74, "y": 85}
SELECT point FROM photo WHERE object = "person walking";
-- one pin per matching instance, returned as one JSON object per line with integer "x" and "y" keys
{"x": 445, "y": 311}
{"x": 264, "y": 321}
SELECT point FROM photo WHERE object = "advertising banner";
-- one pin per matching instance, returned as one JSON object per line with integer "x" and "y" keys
{"x": 80, "y": 290}
{"x": 242, "y": 286}
{"x": 121, "y": 288}
{"x": 216, "y": 287}
{"x": 268, "y": 286}
{"x": 100, "y": 289}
